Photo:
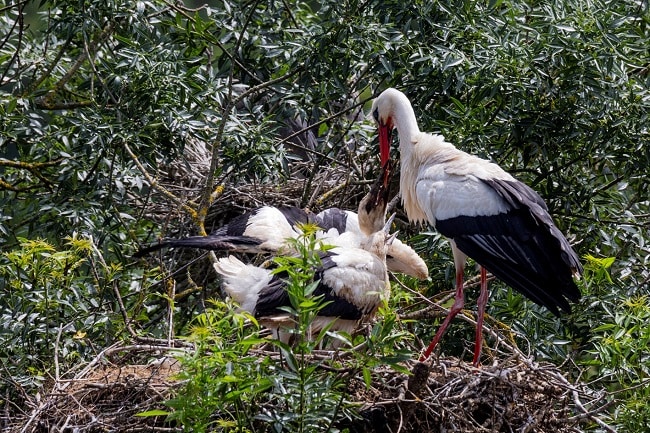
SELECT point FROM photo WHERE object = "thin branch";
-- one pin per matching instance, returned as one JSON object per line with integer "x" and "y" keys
{"x": 125, "y": 314}
{"x": 590, "y": 415}
{"x": 9, "y": 187}
{"x": 57, "y": 375}
{"x": 48, "y": 101}
{"x": 154, "y": 183}
{"x": 64, "y": 49}
{"x": 316, "y": 124}
{"x": 31, "y": 166}
{"x": 20, "y": 21}
{"x": 170, "y": 310}
{"x": 207, "y": 196}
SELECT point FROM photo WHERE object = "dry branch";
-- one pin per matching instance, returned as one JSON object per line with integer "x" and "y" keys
{"x": 513, "y": 395}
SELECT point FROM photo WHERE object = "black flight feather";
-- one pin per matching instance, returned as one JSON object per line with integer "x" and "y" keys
{"x": 211, "y": 242}
{"x": 521, "y": 247}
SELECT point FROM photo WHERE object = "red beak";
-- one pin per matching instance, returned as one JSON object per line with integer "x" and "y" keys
{"x": 385, "y": 135}
{"x": 387, "y": 172}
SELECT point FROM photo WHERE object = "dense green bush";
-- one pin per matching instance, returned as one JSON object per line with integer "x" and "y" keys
{"x": 122, "y": 121}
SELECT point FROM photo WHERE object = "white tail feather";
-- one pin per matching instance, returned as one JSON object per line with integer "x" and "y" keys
{"x": 242, "y": 282}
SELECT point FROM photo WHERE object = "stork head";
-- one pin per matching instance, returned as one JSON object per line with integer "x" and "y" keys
{"x": 382, "y": 113}
{"x": 378, "y": 242}
{"x": 392, "y": 109}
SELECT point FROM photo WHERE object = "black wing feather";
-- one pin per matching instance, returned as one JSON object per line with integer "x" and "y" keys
{"x": 521, "y": 247}
{"x": 295, "y": 215}
{"x": 333, "y": 218}
{"x": 523, "y": 197}
{"x": 274, "y": 296}
{"x": 212, "y": 242}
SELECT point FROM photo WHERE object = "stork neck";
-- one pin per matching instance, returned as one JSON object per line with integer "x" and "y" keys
{"x": 405, "y": 121}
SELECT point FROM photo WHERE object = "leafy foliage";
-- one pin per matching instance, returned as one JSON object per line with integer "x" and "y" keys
{"x": 221, "y": 375}
{"x": 122, "y": 122}
{"x": 59, "y": 305}
{"x": 243, "y": 390}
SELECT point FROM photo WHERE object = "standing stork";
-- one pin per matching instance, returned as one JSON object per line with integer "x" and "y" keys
{"x": 487, "y": 214}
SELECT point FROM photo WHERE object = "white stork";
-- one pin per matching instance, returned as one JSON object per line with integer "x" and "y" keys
{"x": 486, "y": 213}
{"x": 352, "y": 281}
{"x": 266, "y": 230}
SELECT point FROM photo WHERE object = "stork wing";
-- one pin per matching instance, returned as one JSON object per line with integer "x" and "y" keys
{"x": 275, "y": 295}
{"x": 504, "y": 226}
{"x": 261, "y": 230}
{"x": 521, "y": 196}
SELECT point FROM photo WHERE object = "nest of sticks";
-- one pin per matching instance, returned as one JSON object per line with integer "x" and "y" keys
{"x": 444, "y": 395}
{"x": 107, "y": 395}
{"x": 453, "y": 396}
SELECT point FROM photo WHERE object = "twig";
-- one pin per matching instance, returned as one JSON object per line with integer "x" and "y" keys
{"x": 579, "y": 405}
{"x": 154, "y": 183}
{"x": 170, "y": 310}
{"x": 57, "y": 377}
{"x": 123, "y": 310}
{"x": 141, "y": 348}
{"x": 326, "y": 196}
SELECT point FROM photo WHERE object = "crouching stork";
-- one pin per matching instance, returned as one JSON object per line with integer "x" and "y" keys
{"x": 353, "y": 283}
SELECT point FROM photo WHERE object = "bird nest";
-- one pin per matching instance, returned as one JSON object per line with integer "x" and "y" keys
{"x": 107, "y": 395}
{"x": 451, "y": 395}
{"x": 512, "y": 395}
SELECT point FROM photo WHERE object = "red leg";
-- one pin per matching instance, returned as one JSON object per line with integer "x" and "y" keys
{"x": 459, "y": 301}
{"x": 482, "y": 302}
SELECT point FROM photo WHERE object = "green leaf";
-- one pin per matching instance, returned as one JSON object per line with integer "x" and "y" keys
{"x": 367, "y": 377}
{"x": 153, "y": 412}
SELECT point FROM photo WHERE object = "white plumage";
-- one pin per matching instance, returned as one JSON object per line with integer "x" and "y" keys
{"x": 353, "y": 281}
{"x": 274, "y": 226}
{"x": 486, "y": 213}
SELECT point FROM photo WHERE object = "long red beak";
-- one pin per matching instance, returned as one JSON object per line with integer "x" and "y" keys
{"x": 385, "y": 135}
{"x": 386, "y": 173}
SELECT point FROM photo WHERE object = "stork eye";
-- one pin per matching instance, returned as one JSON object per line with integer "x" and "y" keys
{"x": 375, "y": 114}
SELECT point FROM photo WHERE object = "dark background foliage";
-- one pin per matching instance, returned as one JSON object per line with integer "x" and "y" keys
{"x": 122, "y": 122}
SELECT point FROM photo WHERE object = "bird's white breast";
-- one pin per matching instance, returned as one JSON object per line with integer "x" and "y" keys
{"x": 359, "y": 277}
{"x": 438, "y": 181}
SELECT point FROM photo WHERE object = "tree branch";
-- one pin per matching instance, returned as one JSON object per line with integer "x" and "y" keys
{"x": 154, "y": 184}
